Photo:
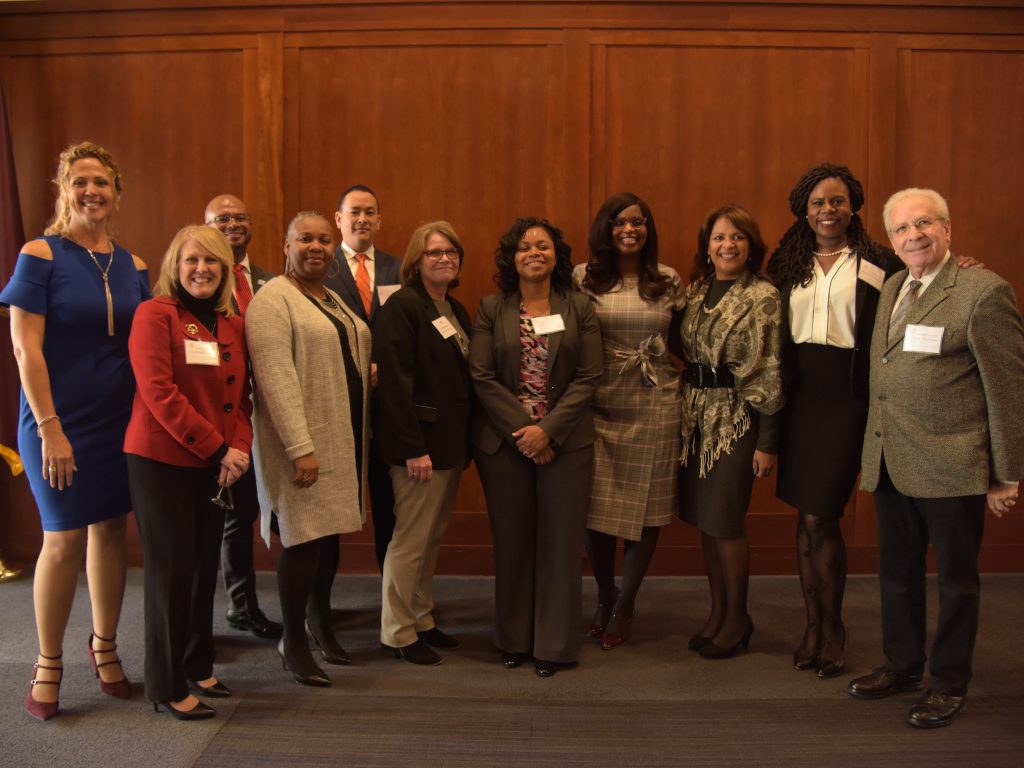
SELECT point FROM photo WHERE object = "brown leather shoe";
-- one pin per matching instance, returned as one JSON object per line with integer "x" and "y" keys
{"x": 935, "y": 709}
{"x": 882, "y": 683}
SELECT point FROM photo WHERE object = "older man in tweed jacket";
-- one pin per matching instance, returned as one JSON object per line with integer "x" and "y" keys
{"x": 944, "y": 435}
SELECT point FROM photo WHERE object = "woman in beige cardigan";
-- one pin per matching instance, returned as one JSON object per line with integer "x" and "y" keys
{"x": 311, "y": 368}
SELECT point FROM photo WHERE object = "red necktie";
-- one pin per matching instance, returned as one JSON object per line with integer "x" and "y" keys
{"x": 243, "y": 293}
{"x": 363, "y": 283}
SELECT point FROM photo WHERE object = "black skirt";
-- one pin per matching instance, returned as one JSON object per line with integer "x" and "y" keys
{"x": 823, "y": 432}
{"x": 717, "y": 504}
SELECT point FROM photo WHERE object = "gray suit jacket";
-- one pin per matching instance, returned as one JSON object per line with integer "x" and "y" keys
{"x": 386, "y": 270}
{"x": 575, "y": 364}
{"x": 949, "y": 424}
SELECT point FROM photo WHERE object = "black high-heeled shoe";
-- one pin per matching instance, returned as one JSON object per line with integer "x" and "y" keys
{"x": 802, "y": 659}
{"x": 832, "y": 667}
{"x": 602, "y": 615}
{"x": 200, "y": 711}
{"x": 215, "y": 690}
{"x": 312, "y": 675}
{"x": 712, "y": 651}
{"x": 698, "y": 641}
{"x": 330, "y": 649}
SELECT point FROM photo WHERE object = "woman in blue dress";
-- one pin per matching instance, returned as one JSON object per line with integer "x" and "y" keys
{"x": 72, "y": 298}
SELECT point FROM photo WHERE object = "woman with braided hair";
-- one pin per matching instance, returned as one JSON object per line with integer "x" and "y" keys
{"x": 830, "y": 273}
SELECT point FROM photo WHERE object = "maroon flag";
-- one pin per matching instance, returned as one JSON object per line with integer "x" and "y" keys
{"x": 11, "y": 237}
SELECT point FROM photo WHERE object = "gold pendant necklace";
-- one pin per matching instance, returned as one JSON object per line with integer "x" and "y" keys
{"x": 105, "y": 274}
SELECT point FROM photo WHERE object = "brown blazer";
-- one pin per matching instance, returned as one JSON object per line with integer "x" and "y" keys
{"x": 575, "y": 365}
{"x": 949, "y": 424}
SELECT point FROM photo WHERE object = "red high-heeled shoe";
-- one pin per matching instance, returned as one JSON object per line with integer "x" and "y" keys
{"x": 121, "y": 689}
{"x": 44, "y": 710}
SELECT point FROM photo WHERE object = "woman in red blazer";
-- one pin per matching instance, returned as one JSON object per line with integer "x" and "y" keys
{"x": 188, "y": 440}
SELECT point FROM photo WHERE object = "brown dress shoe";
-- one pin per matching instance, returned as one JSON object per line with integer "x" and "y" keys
{"x": 935, "y": 709}
{"x": 882, "y": 683}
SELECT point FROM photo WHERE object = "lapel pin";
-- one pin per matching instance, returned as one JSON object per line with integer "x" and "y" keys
{"x": 191, "y": 329}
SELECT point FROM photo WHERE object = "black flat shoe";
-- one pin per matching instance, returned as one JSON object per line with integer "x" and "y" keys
{"x": 698, "y": 641}
{"x": 330, "y": 649}
{"x": 549, "y": 668}
{"x": 199, "y": 712}
{"x": 216, "y": 691}
{"x": 255, "y": 622}
{"x": 312, "y": 676}
{"x": 513, "y": 660}
{"x": 435, "y": 638}
{"x": 712, "y": 651}
{"x": 935, "y": 709}
{"x": 417, "y": 653}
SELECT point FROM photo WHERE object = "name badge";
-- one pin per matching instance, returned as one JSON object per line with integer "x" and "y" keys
{"x": 202, "y": 352}
{"x": 384, "y": 292}
{"x": 871, "y": 274}
{"x": 444, "y": 327}
{"x": 547, "y": 324}
{"x": 923, "y": 338}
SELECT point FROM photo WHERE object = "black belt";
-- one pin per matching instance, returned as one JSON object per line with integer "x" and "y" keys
{"x": 704, "y": 376}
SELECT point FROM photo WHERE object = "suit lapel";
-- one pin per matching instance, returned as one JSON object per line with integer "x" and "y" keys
{"x": 886, "y": 304}
{"x": 510, "y": 329}
{"x": 559, "y": 306}
{"x": 347, "y": 286}
{"x": 936, "y": 293}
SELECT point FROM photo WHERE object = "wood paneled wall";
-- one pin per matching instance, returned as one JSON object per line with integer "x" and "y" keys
{"x": 481, "y": 111}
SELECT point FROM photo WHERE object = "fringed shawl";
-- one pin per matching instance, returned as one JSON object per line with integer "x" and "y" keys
{"x": 743, "y": 333}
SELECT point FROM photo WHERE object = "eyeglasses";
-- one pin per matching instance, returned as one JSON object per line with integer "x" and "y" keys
{"x": 436, "y": 254}
{"x": 637, "y": 222}
{"x": 227, "y": 218}
{"x": 219, "y": 500}
{"x": 921, "y": 224}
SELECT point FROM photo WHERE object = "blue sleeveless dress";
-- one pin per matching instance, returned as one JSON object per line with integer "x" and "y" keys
{"x": 90, "y": 376}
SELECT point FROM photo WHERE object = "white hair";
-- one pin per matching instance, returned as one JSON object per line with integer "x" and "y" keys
{"x": 941, "y": 207}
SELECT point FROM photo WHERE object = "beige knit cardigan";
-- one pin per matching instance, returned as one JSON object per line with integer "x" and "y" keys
{"x": 301, "y": 403}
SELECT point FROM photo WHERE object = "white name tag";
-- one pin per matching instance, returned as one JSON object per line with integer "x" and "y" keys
{"x": 384, "y": 292}
{"x": 923, "y": 338}
{"x": 444, "y": 327}
{"x": 871, "y": 274}
{"x": 547, "y": 324}
{"x": 202, "y": 352}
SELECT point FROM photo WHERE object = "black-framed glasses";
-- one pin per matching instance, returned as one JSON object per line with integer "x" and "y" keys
{"x": 227, "y": 504}
{"x": 637, "y": 222}
{"x": 435, "y": 254}
{"x": 227, "y": 218}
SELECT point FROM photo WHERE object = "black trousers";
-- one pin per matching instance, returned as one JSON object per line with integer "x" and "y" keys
{"x": 181, "y": 534}
{"x": 538, "y": 515}
{"x": 382, "y": 504}
{"x": 236, "y": 551}
{"x": 954, "y": 527}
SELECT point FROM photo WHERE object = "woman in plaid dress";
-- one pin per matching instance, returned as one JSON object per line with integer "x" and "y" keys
{"x": 637, "y": 406}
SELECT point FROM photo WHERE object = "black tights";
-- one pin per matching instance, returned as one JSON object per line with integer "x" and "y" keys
{"x": 821, "y": 555}
{"x": 601, "y": 551}
{"x": 305, "y": 575}
{"x": 727, "y": 562}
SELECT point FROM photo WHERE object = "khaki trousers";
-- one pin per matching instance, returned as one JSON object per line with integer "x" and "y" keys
{"x": 422, "y": 512}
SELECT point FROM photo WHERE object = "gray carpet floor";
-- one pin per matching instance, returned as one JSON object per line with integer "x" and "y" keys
{"x": 648, "y": 703}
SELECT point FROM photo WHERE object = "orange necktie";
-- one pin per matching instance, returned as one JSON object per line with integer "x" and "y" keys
{"x": 243, "y": 293}
{"x": 363, "y": 283}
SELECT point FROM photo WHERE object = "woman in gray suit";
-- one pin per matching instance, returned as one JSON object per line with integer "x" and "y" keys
{"x": 535, "y": 359}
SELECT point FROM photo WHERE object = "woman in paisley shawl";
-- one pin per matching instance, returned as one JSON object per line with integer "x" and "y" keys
{"x": 732, "y": 387}
{"x": 535, "y": 359}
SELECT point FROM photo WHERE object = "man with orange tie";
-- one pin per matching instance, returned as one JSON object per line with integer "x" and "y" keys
{"x": 365, "y": 278}
{"x": 229, "y": 214}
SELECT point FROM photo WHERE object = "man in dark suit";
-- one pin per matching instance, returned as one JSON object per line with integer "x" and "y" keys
{"x": 365, "y": 278}
{"x": 229, "y": 214}
{"x": 944, "y": 437}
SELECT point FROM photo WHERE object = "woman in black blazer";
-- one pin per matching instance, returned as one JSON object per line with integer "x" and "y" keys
{"x": 535, "y": 360}
{"x": 830, "y": 273}
{"x": 420, "y": 345}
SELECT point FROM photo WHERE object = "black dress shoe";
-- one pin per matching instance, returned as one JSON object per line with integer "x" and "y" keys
{"x": 216, "y": 691}
{"x": 513, "y": 660}
{"x": 935, "y": 709}
{"x": 435, "y": 638}
{"x": 711, "y": 651}
{"x": 329, "y": 648}
{"x": 882, "y": 683}
{"x": 199, "y": 712}
{"x": 548, "y": 668}
{"x": 698, "y": 641}
{"x": 303, "y": 674}
{"x": 254, "y": 621}
{"x": 417, "y": 653}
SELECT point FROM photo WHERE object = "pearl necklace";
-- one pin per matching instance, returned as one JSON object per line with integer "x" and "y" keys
{"x": 831, "y": 254}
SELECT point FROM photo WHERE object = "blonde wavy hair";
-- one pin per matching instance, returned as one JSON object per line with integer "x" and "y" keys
{"x": 61, "y": 223}
{"x": 168, "y": 283}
